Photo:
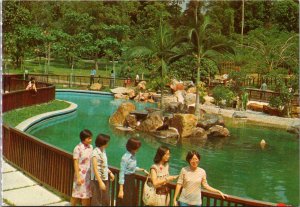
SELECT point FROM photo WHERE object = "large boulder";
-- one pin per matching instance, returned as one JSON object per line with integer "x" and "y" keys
{"x": 180, "y": 96}
{"x": 122, "y": 90}
{"x": 295, "y": 112}
{"x": 168, "y": 99}
{"x": 190, "y": 98}
{"x": 191, "y": 90}
{"x": 119, "y": 117}
{"x": 218, "y": 131}
{"x": 152, "y": 122}
{"x": 176, "y": 107}
{"x": 188, "y": 84}
{"x": 96, "y": 87}
{"x": 167, "y": 133}
{"x": 172, "y": 107}
{"x": 255, "y": 107}
{"x": 121, "y": 96}
{"x": 208, "y": 100}
{"x": 131, "y": 120}
{"x": 272, "y": 111}
{"x": 141, "y": 85}
{"x": 176, "y": 85}
{"x": 199, "y": 133}
{"x": 209, "y": 120}
{"x": 184, "y": 123}
{"x": 131, "y": 94}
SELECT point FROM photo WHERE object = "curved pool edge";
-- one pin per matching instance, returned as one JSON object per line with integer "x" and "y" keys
{"x": 23, "y": 126}
{"x": 85, "y": 91}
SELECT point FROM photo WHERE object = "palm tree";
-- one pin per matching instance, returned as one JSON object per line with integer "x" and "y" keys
{"x": 161, "y": 46}
{"x": 199, "y": 38}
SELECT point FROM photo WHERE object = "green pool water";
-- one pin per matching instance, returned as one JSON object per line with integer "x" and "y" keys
{"x": 236, "y": 165}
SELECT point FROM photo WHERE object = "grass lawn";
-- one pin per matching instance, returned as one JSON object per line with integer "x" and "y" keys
{"x": 14, "y": 117}
{"x": 60, "y": 67}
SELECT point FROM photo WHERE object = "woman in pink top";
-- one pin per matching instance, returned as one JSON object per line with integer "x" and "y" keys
{"x": 191, "y": 178}
{"x": 82, "y": 167}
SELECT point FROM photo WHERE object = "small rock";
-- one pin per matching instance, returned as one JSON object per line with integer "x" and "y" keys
{"x": 96, "y": 86}
{"x": 295, "y": 129}
{"x": 238, "y": 114}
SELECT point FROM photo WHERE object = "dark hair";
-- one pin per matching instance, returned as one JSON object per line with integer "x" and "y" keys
{"x": 101, "y": 140}
{"x": 133, "y": 144}
{"x": 191, "y": 154}
{"x": 161, "y": 151}
{"x": 85, "y": 134}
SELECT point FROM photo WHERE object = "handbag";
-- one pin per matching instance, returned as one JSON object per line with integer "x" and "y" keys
{"x": 149, "y": 193}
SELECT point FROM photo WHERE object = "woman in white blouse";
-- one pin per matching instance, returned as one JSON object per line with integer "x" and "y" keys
{"x": 191, "y": 178}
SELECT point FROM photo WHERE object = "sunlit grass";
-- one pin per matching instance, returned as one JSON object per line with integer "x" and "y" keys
{"x": 60, "y": 67}
{"x": 14, "y": 117}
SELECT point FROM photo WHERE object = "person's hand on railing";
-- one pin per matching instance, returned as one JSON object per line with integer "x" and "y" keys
{"x": 102, "y": 185}
{"x": 121, "y": 194}
{"x": 146, "y": 172}
{"x": 112, "y": 177}
{"x": 222, "y": 194}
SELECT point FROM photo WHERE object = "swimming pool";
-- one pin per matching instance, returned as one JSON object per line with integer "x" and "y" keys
{"x": 236, "y": 165}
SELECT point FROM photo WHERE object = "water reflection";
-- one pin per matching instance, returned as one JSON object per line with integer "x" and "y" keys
{"x": 236, "y": 165}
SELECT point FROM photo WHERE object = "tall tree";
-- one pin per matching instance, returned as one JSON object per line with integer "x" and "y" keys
{"x": 203, "y": 46}
{"x": 163, "y": 48}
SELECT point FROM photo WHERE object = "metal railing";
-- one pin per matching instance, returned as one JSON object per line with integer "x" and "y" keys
{"x": 79, "y": 80}
{"x": 53, "y": 167}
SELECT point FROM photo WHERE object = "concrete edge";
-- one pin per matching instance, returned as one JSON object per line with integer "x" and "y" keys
{"x": 85, "y": 91}
{"x": 23, "y": 126}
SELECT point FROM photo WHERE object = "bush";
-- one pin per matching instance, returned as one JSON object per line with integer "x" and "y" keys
{"x": 221, "y": 93}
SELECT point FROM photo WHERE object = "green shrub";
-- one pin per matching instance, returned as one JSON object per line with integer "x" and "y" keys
{"x": 221, "y": 93}
{"x": 275, "y": 101}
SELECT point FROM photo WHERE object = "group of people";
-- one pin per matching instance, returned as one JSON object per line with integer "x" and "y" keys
{"x": 127, "y": 81}
{"x": 92, "y": 175}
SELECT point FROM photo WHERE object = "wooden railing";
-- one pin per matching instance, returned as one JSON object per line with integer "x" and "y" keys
{"x": 261, "y": 95}
{"x": 16, "y": 96}
{"x": 53, "y": 167}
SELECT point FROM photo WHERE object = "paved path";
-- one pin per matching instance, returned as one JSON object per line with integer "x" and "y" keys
{"x": 254, "y": 116}
{"x": 20, "y": 190}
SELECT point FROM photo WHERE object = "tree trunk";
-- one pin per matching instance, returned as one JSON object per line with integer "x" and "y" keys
{"x": 162, "y": 87}
{"x": 49, "y": 56}
{"x": 243, "y": 20}
{"x": 46, "y": 58}
{"x": 197, "y": 104}
{"x": 96, "y": 62}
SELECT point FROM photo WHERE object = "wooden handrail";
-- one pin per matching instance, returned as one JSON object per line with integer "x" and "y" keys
{"x": 265, "y": 95}
{"x": 53, "y": 167}
{"x": 18, "y": 97}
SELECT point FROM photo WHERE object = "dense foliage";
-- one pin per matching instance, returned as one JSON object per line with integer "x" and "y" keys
{"x": 156, "y": 37}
